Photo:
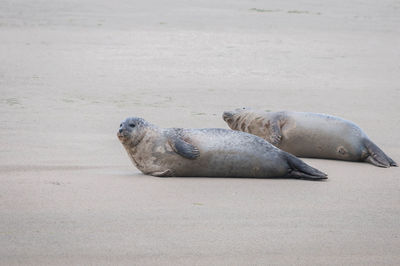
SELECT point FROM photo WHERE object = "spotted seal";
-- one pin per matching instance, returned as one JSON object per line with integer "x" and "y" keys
{"x": 309, "y": 135}
{"x": 209, "y": 152}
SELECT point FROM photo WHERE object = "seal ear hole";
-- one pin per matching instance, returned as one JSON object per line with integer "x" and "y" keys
{"x": 341, "y": 150}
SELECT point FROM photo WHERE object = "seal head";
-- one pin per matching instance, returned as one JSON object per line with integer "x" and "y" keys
{"x": 132, "y": 130}
{"x": 230, "y": 117}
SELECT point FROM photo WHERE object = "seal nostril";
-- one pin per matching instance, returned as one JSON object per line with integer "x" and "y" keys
{"x": 226, "y": 115}
{"x": 120, "y": 130}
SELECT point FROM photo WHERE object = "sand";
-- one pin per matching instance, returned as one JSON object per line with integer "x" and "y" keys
{"x": 71, "y": 71}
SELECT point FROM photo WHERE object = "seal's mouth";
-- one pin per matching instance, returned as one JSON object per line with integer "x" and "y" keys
{"x": 122, "y": 135}
{"x": 228, "y": 116}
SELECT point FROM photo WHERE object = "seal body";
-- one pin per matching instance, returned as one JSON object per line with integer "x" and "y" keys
{"x": 207, "y": 152}
{"x": 309, "y": 135}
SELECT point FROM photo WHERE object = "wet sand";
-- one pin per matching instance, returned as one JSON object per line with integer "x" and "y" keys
{"x": 72, "y": 70}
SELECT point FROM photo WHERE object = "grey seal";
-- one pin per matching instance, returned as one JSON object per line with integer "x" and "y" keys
{"x": 310, "y": 135}
{"x": 209, "y": 152}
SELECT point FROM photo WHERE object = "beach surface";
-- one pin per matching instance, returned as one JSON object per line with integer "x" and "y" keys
{"x": 71, "y": 71}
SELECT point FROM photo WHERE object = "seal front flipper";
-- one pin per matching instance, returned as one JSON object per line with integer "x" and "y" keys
{"x": 166, "y": 173}
{"x": 275, "y": 133}
{"x": 183, "y": 148}
{"x": 376, "y": 156}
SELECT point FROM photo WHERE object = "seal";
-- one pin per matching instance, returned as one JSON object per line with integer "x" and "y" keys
{"x": 309, "y": 135}
{"x": 209, "y": 152}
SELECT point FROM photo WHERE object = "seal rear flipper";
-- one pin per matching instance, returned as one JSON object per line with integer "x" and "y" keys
{"x": 299, "y": 169}
{"x": 183, "y": 148}
{"x": 376, "y": 156}
{"x": 392, "y": 163}
{"x": 375, "y": 162}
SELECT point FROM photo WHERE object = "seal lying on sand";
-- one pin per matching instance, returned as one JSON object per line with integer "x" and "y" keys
{"x": 309, "y": 135}
{"x": 207, "y": 152}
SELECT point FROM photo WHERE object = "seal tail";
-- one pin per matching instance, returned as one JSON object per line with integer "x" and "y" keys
{"x": 301, "y": 170}
{"x": 376, "y": 156}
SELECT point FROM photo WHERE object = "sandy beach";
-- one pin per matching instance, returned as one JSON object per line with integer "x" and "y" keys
{"x": 71, "y": 71}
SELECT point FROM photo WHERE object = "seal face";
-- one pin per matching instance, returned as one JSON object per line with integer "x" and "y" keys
{"x": 309, "y": 135}
{"x": 207, "y": 152}
{"x": 132, "y": 131}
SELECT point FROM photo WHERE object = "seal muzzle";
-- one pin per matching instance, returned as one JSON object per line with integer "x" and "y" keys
{"x": 227, "y": 115}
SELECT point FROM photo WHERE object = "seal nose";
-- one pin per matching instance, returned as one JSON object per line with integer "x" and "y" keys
{"x": 227, "y": 115}
{"x": 121, "y": 128}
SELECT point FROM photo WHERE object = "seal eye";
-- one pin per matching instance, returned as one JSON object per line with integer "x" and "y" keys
{"x": 120, "y": 125}
{"x": 132, "y": 125}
